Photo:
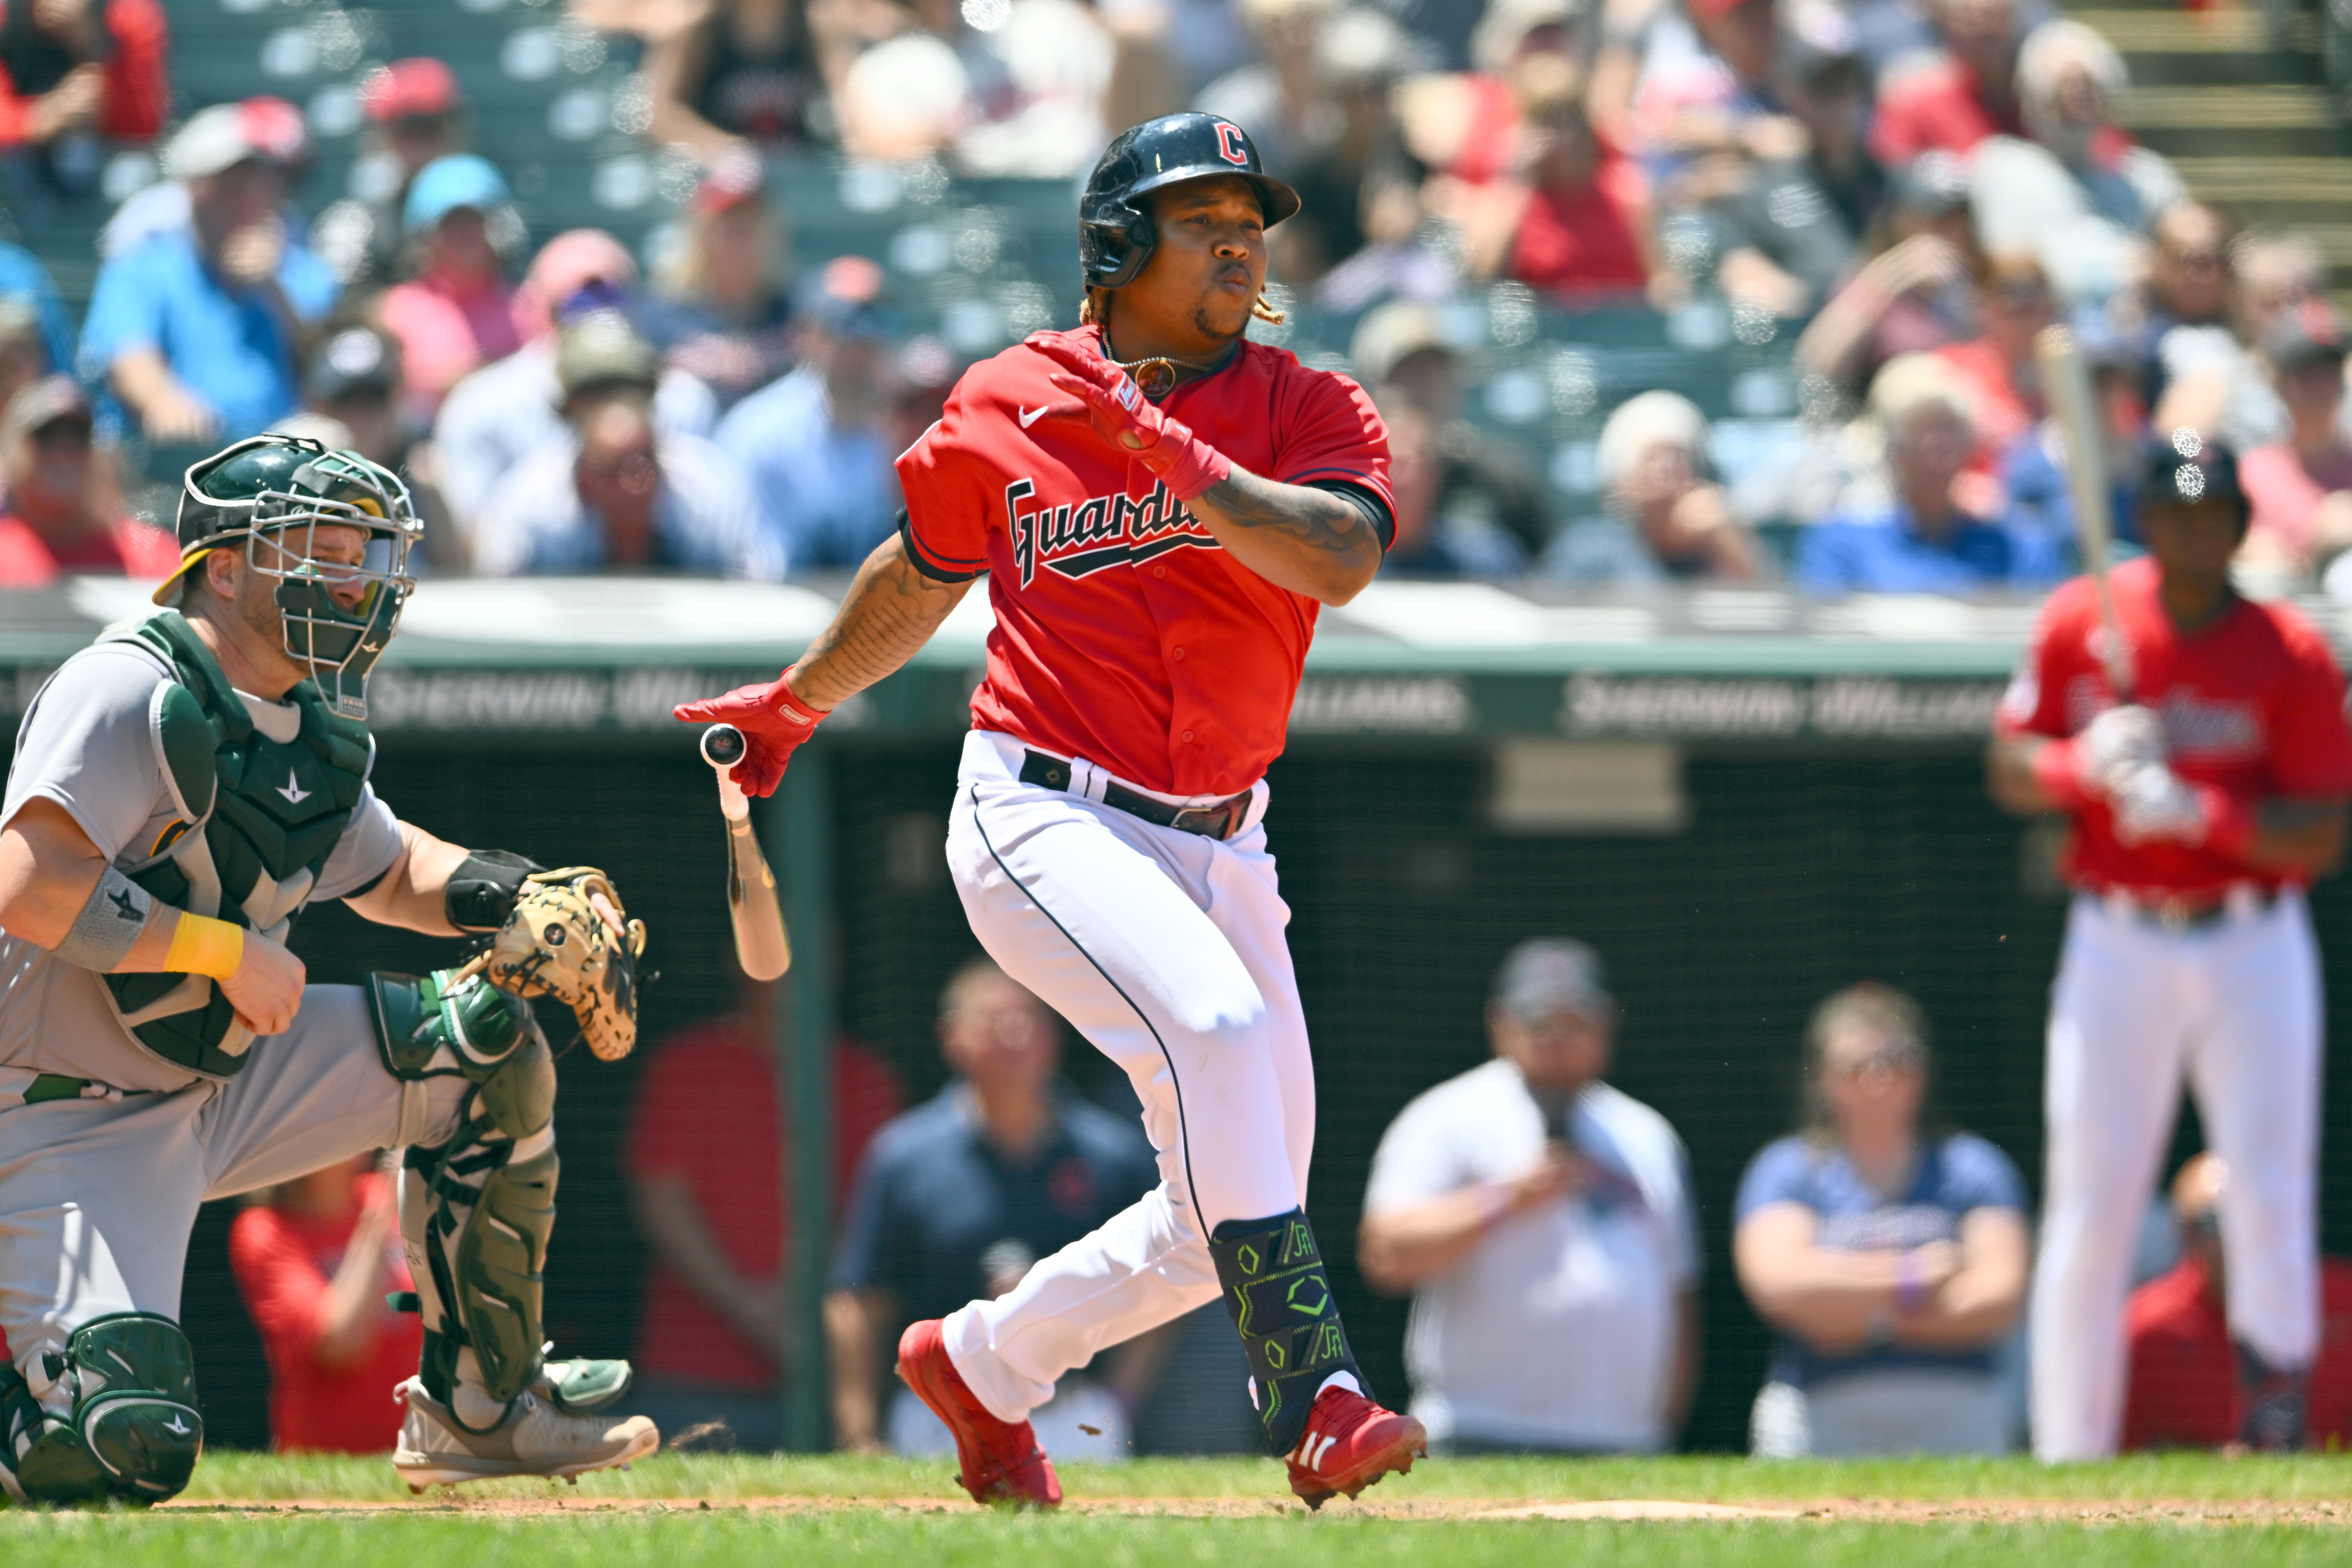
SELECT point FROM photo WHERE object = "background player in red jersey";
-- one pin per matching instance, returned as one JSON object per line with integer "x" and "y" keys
{"x": 1162, "y": 507}
{"x": 2204, "y": 801}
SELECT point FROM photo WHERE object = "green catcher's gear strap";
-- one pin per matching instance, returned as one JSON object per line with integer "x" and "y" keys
{"x": 1280, "y": 1298}
{"x": 477, "y": 1210}
{"x": 119, "y": 1418}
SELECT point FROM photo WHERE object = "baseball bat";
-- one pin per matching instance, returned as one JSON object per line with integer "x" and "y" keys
{"x": 2067, "y": 380}
{"x": 761, "y": 944}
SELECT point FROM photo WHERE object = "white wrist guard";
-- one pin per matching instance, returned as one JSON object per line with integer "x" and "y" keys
{"x": 109, "y": 923}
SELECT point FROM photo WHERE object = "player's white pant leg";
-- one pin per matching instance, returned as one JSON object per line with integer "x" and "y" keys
{"x": 1133, "y": 934}
{"x": 98, "y": 1196}
{"x": 97, "y": 1199}
{"x": 2255, "y": 1068}
{"x": 2118, "y": 1014}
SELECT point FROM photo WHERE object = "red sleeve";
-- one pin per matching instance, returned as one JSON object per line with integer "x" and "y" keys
{"x": 667, "y": 1136}
{"x": 137, "y": 90}
{"x": 281, "y": 1284}
{"x": 1330, "y": 431}
{"x": 2035, "y": 701}
{"x": 15, "y": 110}
{"x": 948, "y": 484}
{"x": 2311, "y": 744}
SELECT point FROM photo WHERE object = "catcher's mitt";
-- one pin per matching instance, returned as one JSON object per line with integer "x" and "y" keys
{"x": 560, "y": 943}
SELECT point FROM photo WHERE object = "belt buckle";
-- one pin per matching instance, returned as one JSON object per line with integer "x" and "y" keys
{"x": 1182, "y": 821}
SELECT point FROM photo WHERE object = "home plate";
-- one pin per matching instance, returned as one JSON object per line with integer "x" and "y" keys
{"x": 1638, "y": 1508}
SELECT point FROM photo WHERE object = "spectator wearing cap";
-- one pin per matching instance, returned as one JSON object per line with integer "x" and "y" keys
{"x": 1467, "y": 506}
{"x": 1543, "y": 1222}
{"x": 354, "y": 377}
{"x": 1668, "y": 519}
{"x": 2075, "y": 189}
{"x": 1922, "y": 538}
{"x": 2184, "y": 1380}
{"x": 72, "y": 71}
{"x": 813, "y": 444}
{"x": 456, "y": 314}
{"x": 415, "y": 114}
{"x": 1788, "y": 226}
{"x": 718, "y": 309}
{"x": 1915, "y": 293}
{"x": 2301, "y": 488}
{"x": 492, "y": 418}
{"x": 163, "y": 207}
{"x": 611, "y": 492}
{"x": 1887, "y": 1251}
{"x": 63, "y": 512}
{"x": 195, "y": 332}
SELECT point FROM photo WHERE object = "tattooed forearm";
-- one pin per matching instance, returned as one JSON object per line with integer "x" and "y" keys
{"x": 1308, "y": 540}
{"x": 891, "y": 611}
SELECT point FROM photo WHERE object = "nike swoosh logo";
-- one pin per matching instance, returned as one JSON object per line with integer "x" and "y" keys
{"x": 1030, "y": 417}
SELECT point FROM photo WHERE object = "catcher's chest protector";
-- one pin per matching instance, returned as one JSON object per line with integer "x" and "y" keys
{"x": 258, "y": 819}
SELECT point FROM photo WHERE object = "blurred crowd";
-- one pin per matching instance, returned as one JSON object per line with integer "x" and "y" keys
{"x": 1903, "y": 191}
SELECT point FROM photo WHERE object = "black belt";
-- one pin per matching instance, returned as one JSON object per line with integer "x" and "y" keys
{"x": 2185, "y": 914}
{"x": 1220, "y": 819}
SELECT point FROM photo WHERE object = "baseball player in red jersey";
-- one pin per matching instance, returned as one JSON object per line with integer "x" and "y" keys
{"x": 1161, "y": 507}
{"x": 2205, "y": 798}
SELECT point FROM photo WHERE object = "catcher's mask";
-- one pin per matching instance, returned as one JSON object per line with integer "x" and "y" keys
{"x": 277, "y": 493}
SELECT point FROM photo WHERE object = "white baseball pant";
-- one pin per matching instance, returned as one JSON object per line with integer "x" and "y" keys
{"x": 97, "y": 1196}
{"x": 1165, "y": 950}
{"x": 2235, "y": 1007}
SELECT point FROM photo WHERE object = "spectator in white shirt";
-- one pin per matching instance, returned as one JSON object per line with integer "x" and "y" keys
{"x": 1541, "y": 1219}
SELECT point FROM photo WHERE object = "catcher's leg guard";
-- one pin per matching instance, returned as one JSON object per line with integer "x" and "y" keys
{"x": 476, "y": 1212}
{"x": 1280, "y": 1298}
{"x": 118, "y": 1420}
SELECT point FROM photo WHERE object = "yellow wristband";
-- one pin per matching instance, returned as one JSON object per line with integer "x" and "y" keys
{"x": 203, "y": 945}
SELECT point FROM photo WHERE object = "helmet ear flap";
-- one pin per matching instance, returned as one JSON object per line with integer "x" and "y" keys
{"x": 1118, "y": 242}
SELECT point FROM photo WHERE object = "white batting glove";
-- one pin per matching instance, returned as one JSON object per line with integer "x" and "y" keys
{"x": 2116, "y": 744}
{"x": 2151, "y": 802}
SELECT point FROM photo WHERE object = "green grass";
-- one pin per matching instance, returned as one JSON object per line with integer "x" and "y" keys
{"x": 654, "y": 1517}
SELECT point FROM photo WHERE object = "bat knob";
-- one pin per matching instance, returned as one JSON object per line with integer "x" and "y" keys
{"x": 722, "y": 746}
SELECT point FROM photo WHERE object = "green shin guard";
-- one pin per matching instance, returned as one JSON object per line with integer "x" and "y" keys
{"x": 134, "y": 1431}
{"x": 478, "y": 1215}
{"x": 1275, "y": 1287}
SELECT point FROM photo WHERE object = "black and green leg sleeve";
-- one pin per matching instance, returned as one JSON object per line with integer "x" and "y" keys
{"x": 1280, "y": 1298}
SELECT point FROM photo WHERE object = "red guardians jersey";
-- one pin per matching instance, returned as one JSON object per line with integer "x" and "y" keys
{"x": 1124, "y": 633}
{"x": 2250, "y": 704}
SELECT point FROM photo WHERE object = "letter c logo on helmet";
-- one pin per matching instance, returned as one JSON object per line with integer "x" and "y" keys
{"x": 1231, "y": 147}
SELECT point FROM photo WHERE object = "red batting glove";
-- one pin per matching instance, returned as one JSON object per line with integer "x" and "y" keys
{"x": 1122, "y": 415}
{"x": 773, "y": 721}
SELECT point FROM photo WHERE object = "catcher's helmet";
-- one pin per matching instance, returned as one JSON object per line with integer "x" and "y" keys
{"x": 273, "y": 493}
{"x": 1115, "y": 232}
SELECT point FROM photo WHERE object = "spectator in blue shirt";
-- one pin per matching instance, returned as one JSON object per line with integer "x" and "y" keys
{"x": 24, "y": 277}
{"x": 195, "y": 332}
{"x": 1922, "y": 539}
{"x": 956, "y": 1199}
{"x": 814, "y": 445}
{"x": 1889, "y": 1253}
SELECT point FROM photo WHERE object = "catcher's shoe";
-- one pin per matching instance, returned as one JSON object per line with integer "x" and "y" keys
{"x": 1349, "y": 1444}
{"x": 535, "y": 1439}
{"x": 1000, "y": 1462}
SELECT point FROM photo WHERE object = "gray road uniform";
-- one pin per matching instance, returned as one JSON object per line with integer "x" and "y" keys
{"x": 128, "y": 1100}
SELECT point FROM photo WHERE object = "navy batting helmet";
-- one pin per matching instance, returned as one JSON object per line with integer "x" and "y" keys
{"x": 2187, "y": 468}
{"x": 1115, "y": 232}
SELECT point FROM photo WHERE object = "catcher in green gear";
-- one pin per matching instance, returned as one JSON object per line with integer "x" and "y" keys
{"x": 182, "y": 790}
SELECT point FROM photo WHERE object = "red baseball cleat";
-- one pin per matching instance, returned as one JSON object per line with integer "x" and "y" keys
{"x": 1001, "y": 1462}
{"x": 1349, "y": 1444}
